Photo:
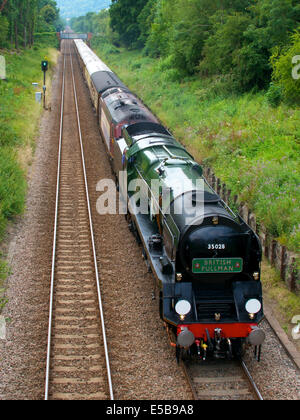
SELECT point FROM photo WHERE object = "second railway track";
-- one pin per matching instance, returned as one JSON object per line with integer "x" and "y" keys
{"x": 221, "y": 380}
{"x": 77, "y": 357}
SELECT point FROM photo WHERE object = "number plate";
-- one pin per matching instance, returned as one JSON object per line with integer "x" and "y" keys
{"x": 217, "y": 265}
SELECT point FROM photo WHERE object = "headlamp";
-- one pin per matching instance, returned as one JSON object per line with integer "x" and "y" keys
{"x": 253, "y": 306}
{"x": 183, "y": 307}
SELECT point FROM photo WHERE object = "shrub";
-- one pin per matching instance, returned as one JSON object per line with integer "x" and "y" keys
{"x": 286, "y": 71}
{"x": 274, "y": 95}
{"x": 46, "y": 38}
{"x": 12, "y": 185}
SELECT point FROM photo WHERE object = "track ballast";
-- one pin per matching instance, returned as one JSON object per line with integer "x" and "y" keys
{"x": 77, "y": 357}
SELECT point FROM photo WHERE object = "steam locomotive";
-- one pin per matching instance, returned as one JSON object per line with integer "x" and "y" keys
{"x": 205, "y": 258}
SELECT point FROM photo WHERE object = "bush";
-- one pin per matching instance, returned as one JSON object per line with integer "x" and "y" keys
{"x": 173, "y": 75}
{"x": 286, "y": 70}
{"x": 46, "y": 38}
{"x": 274, "y": 95}
{"x": 110, "y": 49}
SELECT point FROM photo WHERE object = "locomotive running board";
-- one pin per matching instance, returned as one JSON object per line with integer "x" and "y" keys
{"x": 146, "y": 231}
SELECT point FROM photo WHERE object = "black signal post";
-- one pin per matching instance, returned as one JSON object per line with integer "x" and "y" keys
{"x": 44, "y": 69}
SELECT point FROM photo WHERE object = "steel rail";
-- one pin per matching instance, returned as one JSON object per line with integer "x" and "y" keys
{"x": 251, "y": 380}
{"x": 189, "y": 380}
{"x": 93, "y": 240}
{"x": 246, "y": 373}
{"x": 55, "y": 236}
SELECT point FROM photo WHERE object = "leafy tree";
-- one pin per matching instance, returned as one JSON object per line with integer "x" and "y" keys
{"x": 276, "y": 20}
{"x": 181, "y": 27}
{"x": 124, "y": 20}
{"x": 48, "y": 13}
{"x": 163, "y": 18}
{"x": 233, "y": 50}
{"x": 24, "y": 17}
{"x": 145, "y": 20}
{"x": 191, "y": 28}
{"x": 220, "y": 48}
{"x": 47, "y": 16}
{"x": 4, "y": 27}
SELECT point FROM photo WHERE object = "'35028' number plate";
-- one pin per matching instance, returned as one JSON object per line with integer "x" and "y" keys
{"x": 217, "y": 265}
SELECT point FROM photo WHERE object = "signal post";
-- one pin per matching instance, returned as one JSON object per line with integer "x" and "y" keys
{"x": 44, "y": 69}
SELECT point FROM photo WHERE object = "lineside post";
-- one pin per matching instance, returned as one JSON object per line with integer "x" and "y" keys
{"x": 44, "y": 69}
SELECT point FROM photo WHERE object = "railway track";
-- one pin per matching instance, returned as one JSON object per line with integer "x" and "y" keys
{"x": 77, "y": 355}
{"x": 220, "y": 380}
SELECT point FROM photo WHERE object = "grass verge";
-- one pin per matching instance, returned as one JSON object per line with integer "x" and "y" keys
{"x": 284, "y": 303}
{"x": 19, "y": 122}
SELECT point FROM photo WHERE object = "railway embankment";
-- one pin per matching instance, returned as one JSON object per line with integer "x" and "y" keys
{"x": 249, "y": 151}
{"x": 19, "y": 123}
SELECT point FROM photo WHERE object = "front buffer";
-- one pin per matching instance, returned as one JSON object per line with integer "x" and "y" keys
{"x": 217, "y": 325}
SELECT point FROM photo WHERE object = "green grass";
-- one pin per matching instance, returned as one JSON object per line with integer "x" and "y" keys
{"x": 3, "y": 274}
{"x": 19, "y": 117}
{"x": 251, "y": 146}
{"x": 19, "y": 121}
{"x": 284, "y": 303}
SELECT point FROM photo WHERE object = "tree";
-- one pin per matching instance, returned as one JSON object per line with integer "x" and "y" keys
{"x": 3, "y": 5}
{"x": 179, "y": 30}
{"x": 4, "y": 27}
{"x": 276, "y": 19}
{"x": 124, "y": 20}
{"x": 48, "y": 13}
{"x": 145, "y": 20}
{"x": 24, "y": 17}
{"x": 222, "y": 45}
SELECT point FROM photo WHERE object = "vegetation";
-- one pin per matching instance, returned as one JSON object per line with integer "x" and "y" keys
{"x": 23, "y": 23}
{"x": 220, "y": 76}
{"x": 97, "y": 23}
{"x": 231, "y": 39}
{"x": 285, "y": 64}
{"x": 284, "y": 303}
{"x": 18, "y": 128}
{"x": 3, "y": 274}
{"x": 21, "y": 19}
{"x": 250, "y": 145}
{"x": 124, "y": 20}
{"x": 18, "y": 124}
{"x": 249, "y": 45}
{"x": 74, "y": 8}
